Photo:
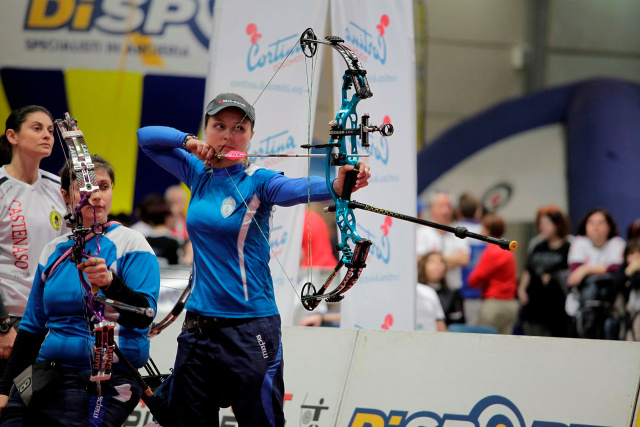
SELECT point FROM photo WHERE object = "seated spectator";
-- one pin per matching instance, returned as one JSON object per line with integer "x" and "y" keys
{"x": 495, "y": 274}
{"x": 542, "y": 290}
{"x": 158, "y": 214}
{"x": 633, "y": 231}
{"x": 627, "y": 283}
{"x": 432, "y": 270}
{"x": 596, "y": 252}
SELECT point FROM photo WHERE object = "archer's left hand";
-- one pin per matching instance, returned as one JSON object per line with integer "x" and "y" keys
{"x": 361, "y": 181}
{"x": 96, "y": 270}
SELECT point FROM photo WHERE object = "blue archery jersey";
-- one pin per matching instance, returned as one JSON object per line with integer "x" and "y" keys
{"x": 228, "y": 223}
{"x": 56, "y": 305}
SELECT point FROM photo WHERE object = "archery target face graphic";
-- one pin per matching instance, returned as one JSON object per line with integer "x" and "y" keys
{"x": 497, "y": 197}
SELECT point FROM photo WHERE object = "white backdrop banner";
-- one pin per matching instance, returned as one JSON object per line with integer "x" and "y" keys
{"x": 107, "y": 35}
{"x": 254, "y": 42}
{"x": 381, "y": 34}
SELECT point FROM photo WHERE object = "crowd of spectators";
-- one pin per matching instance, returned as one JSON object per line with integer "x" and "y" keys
{"x": 585, "y": 285}
{"x": 161, "y": 219}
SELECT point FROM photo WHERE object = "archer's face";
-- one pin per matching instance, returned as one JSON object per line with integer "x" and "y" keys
{"x": 100, "y": 200}
{"x": 228, "y": 129}
{"x": 35, "y": 136}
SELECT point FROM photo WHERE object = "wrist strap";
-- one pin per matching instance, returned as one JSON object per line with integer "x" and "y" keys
{"x": 187, "y": 138}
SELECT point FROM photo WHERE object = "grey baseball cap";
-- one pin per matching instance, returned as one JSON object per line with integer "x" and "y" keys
{"x": 226, "y": 100}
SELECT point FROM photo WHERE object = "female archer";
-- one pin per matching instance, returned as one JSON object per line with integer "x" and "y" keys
{"x": 229, "y": 351}
{"x": 56, "y": 329}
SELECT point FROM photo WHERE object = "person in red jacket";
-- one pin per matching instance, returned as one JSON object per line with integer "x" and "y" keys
{"x": 495, "y": 274}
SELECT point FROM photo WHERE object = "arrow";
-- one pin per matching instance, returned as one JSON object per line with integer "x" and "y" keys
{"x": 241, "y": 155}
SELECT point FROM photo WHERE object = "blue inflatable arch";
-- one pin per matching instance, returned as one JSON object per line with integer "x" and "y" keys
{"x": 602, "y": 122}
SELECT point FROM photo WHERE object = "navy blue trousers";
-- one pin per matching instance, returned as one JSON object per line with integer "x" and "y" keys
{"x": 72, "y": 402}
{"x": 229, "y": 362}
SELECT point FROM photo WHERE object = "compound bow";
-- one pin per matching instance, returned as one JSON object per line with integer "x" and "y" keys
{"x": 344, "y": 129}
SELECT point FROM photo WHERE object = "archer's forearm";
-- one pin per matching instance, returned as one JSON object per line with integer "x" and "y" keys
{"x": 119, "y": 291}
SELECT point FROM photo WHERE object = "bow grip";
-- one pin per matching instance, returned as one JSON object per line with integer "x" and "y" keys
{"x": 349, "y": 181}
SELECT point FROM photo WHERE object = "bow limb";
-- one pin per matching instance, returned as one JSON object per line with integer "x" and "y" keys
{"x": 84, "y": 173}
{"x": 160, "y": 326}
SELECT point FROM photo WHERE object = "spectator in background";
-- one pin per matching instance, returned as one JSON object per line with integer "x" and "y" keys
{"x": 455, "y": 250}
{"x": 176, "y": 197}
{"x": 422, "y": 211}
{"x": 143, "y": 225}
{"x": 495, "y": 274}
{"x": 158, "y": 216}
{"x": 122, "y": 217}
{"x": 432, "y": 270}
{"x": 31, "y": 213}
{"x": 633, "y": 231}
{"x": 469, "y": 214}
{"x": 596, "y": 252}
{"x": 317, "y": 251}
{"x": 538, "y": 238}
{"x": 542, "y": 289}
{"x": 627, "y": 281}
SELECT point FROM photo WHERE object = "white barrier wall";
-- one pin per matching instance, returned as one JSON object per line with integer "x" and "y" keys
{"x": 366, "y": 378}
{"x": 443, "y": 379}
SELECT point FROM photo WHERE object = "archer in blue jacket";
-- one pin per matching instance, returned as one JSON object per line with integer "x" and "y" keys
{"x": 56, "y": 328}
{"x": 229, "y": 351}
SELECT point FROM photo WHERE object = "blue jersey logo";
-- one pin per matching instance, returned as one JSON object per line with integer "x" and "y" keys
{"x": 228, "y": 206}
